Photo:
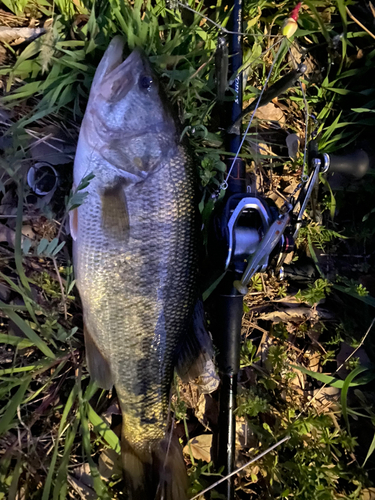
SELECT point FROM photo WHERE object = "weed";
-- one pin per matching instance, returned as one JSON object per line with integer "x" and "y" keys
{"x": 315, "y": 292}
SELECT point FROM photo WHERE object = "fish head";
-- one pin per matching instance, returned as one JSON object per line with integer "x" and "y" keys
{"x": 127, "y": 118}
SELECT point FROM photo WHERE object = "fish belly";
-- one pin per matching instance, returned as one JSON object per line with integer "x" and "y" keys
{"x": 137, "y": 282}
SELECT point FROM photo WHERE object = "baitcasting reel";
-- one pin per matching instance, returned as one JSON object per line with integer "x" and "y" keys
{"x": 254, "y": 234}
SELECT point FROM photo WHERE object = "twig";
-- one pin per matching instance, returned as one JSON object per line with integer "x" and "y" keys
{"x": 201, "y": 67}
{"x": 261, "y": 455}
{"x": 359, "y": 23}
{"x": 63, "y": 299}
{"x": 256, "y": 327}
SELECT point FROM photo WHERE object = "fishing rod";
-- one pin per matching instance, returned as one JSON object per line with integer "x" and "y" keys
{"x": 252, "y": 235}
{"x": 227, "y": 301}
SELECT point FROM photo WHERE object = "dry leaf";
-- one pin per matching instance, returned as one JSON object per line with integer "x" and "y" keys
{"x": 19, "y": 35}
{"x": 288, "y": 301}
{"x": 296, "y": 315}
{"x": 114, "y": 409}
{"x": 241, "y": 433}
{"x": 298, "y": 380}
{"x": 270, "y": 112}
{"x": 292, "y": 142}
{"x": 200, "y": 447}
{"x": 109, "y": 463}
{"x": 207, "y": 410}
{"x": 368, "y": 494}
{"x": 82, "y": 482}
{"x": 313, "y": 356}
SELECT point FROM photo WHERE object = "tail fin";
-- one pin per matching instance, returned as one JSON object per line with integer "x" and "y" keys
{"x": 155, "y": 471}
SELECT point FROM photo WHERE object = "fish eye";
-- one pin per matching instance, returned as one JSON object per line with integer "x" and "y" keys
{"x": 145, "y": 82}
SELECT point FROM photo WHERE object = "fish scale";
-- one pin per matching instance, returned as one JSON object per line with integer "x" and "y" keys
{"x": 135, "y": 258}
{"x": 128, "y": 309}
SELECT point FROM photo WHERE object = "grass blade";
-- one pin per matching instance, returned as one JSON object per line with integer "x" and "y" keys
{"x": 68, "y": 405}
{"x": 29, "y": 332}
{"x": 16, "y": 475}
{"x": 102, "y": 428}
{"x": 13, "y": 405}
{"x": 370, "y": 450}
{"x": 18, "y": 246}
{"x": 16, "y": 341}
{"x": 344, "y": 392}
{"x": 60, "y": 489}
{"x": 335, "y": 382}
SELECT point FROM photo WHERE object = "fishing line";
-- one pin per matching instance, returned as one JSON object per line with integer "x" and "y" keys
{"x": 261, "y": 455}
{"x": 231, "y": 80}
{"x": 224, "y": 185}
{"x": 224, "y": 30}
{"x": 304, "y": 175}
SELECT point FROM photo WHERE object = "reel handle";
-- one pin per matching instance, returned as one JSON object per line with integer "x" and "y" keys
{"x": 355, "y": 164}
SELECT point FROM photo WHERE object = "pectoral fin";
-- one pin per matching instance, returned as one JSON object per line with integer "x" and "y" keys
{"x": 73, "y": 223}
{"x": 97, "y": 365}
{"x": 115, "y": 216}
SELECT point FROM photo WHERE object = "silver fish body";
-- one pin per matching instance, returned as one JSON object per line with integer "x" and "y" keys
{"x": 135, "y": 258}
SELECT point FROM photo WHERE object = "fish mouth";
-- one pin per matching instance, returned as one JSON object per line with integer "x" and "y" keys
{"x": 118, "y": 82}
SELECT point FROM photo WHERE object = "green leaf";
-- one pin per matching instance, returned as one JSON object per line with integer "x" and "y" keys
{"x": 332, "y": 381}
{"x": 60, "y": 489}
{"x": 51, "y": 246}
{"x": 58, "y": 248}
{"x": 344, "y": 392}
{"x": 370, "y": 301}
{"x": 30, "y": 334}
{"x": 370, "y": 450}
{"x": 68, "y": 405}
{"x": 102, "y": 428}
{"x": 212, "y": 287}
{"x": 332, "y": 205}
{"x": 42, "y": 246}
{"x": 14, "y": 403}
{"x": 18, "y": 239}
{"x": 16, "y": 341}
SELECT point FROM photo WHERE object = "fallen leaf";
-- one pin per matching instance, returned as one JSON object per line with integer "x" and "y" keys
{"x": 313, "y": 356}
{"x": 296, "y": 315}
{"x": 114, "y": 409}
{"x": 84, "y": 492}
{"x": 109, "y": 463}
{"x": 368, "y": 494}
{"x": 270, "y": 112}
{"x": 200, "y": 447}
{"x": 19, "y": 35}
{"x": 207, "y": 411}
{"x": 292, "y": 142}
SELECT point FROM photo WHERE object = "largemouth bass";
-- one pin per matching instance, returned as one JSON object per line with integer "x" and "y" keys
{"x": 135, "y": 258}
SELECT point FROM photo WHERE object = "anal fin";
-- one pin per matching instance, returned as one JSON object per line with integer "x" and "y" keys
{"x": 195, "y": 360}
{"x": 97, "y": 365}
